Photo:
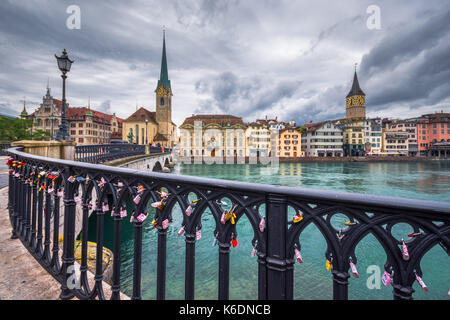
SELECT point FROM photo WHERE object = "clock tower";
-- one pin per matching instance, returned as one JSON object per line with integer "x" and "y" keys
{"x": 356, "y": 101}
{"x": 164, "y": 100}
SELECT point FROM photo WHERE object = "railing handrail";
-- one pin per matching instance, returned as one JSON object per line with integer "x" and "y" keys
{"x": 411, "y": 206}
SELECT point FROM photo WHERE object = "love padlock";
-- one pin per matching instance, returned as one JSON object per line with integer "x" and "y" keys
{"x": 405, "y": 253}
{"x": 253, "y": 251}
{"x": 298, "y": 255}
{"x": 354, "y": 271}
{"x": 328, "y": 264}
{"x": 180, "y": 232}
{"x": 189, "y": 210}
{"x": 77, "y": 198}
{"x": 165, "y": 224}
{"x": 137, "y": 199}
{"x": 141, "y": 217}
{"x": 421, "y": 283}
{"x": 198, "y": 234}
{"x": 234, "y": 242}
{"x": 262, "y": 224}
{"x": 123, "y": 213}
{"x": 105, "y": 207}
{"x": 297, "y": 218}
{"x": 386, "y": 279}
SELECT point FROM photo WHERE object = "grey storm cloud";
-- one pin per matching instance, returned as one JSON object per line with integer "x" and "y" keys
{"x": 291, "y": 59}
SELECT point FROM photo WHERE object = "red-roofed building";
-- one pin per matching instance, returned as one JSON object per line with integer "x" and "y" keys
{"x": 86, "y": 126}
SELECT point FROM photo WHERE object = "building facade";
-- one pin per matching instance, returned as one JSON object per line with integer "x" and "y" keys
{"x": 86, "y": 126}
{"x": 290, "y": 143}
{"x": 373, "y": 135}
{"x": 212, "y": 135}
{"x": 322, "y": 139}
{"x": 434, "y": 134}
{"x": 410, "y": 127}
{"x": 257, "y": 138}
{"x": 395, "y": 143}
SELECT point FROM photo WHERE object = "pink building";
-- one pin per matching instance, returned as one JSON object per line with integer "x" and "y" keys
{"x": 433, "y": 132}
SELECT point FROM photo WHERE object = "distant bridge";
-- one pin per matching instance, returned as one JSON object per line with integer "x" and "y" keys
{"x": 154, "y": 162}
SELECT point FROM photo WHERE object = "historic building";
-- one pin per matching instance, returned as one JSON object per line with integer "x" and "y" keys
{"x": 410, "y": 127}
{"x": 434, "y": 134}
{"x": 353, "y": 124}
{"x": 395, "y": 143}
{"x": 257, "y": 138}
{"x": 86, "y": 126}
{"x": 373, "y": 133}
{"x": 290, "y": 143}
{"x": 212, "y": 135}
{"x": 157, "y": 127}
{"x": 323, "y": 139}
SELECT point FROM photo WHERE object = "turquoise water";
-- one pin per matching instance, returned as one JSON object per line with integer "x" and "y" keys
{"x": 416, "y": 180}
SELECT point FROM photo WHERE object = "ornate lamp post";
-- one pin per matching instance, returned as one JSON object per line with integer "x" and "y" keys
{"x": 52, "y": 119}
{"x": 146, "y": 134}
{"x": 64, "y": 64}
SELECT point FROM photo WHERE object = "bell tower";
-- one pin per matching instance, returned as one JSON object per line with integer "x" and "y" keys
{"x": 164, "y": 97}
{"x": 356, "y": 100}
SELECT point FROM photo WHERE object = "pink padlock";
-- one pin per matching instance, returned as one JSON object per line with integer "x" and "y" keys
{"x": 422, "y": 284}
{"x": 102, "y": 182}
{"x": 77, "y": 199}
{"x": 354, "y": 271}
{"x": 60, "y": 194}
{"x": 50, "y": 190}
{"x": 180, "y": 232}
{"x": 123, "y": 213}
{"x": 298, "y": 255}
{"x": 253, "y": 251}
{"x": 262, "y": 224}
{"x": 386, "y": 279}
{"x": 198, "y": 234}
{"x": 222, "y": 219}
{"x": 165, "y": 224}
{"x": 405, "y": 253}
{"x": 189, "y": 210}
{"x": 141, "y": 217}
{"x": 105, "y": 207}
{"x": 137, "y": 199}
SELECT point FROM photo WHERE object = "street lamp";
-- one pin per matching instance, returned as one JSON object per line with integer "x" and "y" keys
{"x": 64, "y": 64}
{"x": 52, "y": 119}
{"x": 104, "y": 128}
{"x": 146, "y": 134}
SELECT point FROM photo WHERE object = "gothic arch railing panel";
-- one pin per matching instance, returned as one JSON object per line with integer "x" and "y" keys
{"x": 51, "y": 202}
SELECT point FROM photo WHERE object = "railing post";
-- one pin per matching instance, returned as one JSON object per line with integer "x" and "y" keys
{"x": 224, "y": 270}
{"x": 402, "y": 292}
{"x": 279, "y": 285}
{"x": 68, "y": 257}
{"x": 340, "y": 285}
{"x": 13, "y": 209}
{"x": 115, "y": 288}
{"x": 190, "y": 267}
{"x": 161, "y": 265}
{"x": 137, "y": 261}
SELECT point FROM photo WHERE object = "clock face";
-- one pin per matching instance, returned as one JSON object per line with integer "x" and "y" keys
{"x": 162, "y": 91}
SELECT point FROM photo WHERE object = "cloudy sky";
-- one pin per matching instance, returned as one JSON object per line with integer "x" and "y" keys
{"x": 292, "y": 59}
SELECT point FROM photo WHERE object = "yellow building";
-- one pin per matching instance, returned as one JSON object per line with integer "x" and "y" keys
{"x": 257, "y": 137}
{"x": 395, "y": 143}
{"x": 290, "y": 144}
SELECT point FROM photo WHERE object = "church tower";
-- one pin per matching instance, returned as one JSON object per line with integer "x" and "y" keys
{"x": 356, "y": 101}
{"x": 164, "y": 99}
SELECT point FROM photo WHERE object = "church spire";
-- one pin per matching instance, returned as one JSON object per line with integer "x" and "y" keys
{"x": 24, "y": 112}
{"x": 164, "y": 75}
{"x": 356, "y": 89}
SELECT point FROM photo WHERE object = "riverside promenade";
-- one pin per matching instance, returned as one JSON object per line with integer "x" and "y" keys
{"x": 21, "y": 276}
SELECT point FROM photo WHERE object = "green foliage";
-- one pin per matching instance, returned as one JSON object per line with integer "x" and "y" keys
{"x": 14, "y": 129}
{"x": 302, "y": 129}
{"x": 41, "y": 135}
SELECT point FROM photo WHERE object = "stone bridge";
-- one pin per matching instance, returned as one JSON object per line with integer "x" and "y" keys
{"x": 158, "y": 162}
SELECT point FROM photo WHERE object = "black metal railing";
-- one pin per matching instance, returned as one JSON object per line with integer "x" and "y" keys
{"x": 107, "y": 152}
{"x": 3, "y": 148}
{"x": 35, "y": 184}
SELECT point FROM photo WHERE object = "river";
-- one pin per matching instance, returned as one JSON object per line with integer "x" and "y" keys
{"x": 415, "y": 180}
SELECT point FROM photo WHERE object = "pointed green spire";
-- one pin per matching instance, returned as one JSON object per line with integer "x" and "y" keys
{"x": 24, "y": 112}
{"x": 164, "y": 75}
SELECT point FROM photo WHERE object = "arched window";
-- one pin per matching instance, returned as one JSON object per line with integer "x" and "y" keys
{"x": 162, "y": 101}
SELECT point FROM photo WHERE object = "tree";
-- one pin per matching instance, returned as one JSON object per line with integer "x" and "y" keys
{"x": 14, "y": 129}
{"x": 41, "y": 135}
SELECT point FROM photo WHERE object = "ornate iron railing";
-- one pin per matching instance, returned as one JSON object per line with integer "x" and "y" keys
{"x": 36, "y": 185}
{"x": 3, "y": 148}
{"x": 108, "y": 152}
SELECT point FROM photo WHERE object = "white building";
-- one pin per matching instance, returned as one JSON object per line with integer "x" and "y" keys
{"x": 322, "y": 139}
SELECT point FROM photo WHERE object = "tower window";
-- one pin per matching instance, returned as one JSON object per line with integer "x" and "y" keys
{"x": 162, "y": 101}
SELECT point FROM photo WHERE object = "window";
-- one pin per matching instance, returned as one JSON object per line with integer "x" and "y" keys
{"x": 80, "y": 132}
{"x": 81, "y": 140}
